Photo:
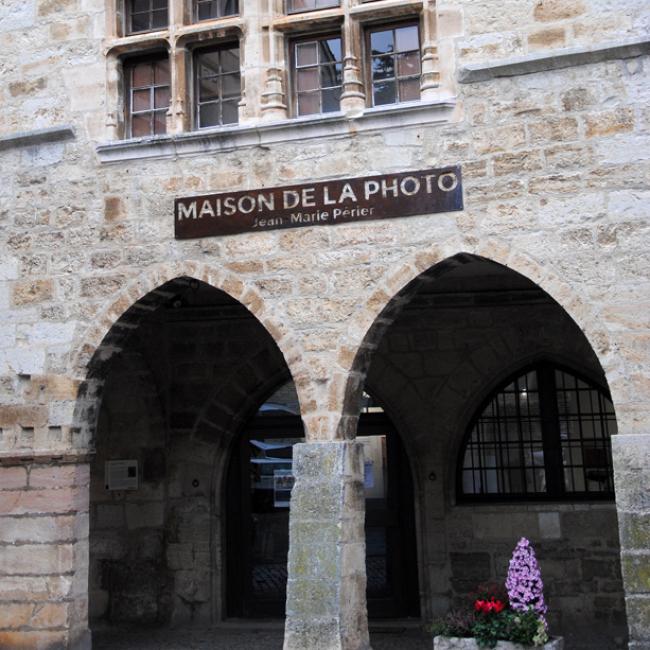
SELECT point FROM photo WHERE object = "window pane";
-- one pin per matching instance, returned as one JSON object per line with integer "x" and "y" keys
{"x": 142, "y": 75}
{"x": 230, "y": 8}
{"x": 331, "y": 100}
{"x": 139, "y": 6}
{"x": 381, "y": 42}
{"x": 140, "y": 22}
{"x": 206, "y": 10}
{"x": 230, "y": 113}
{"x": 209, "y": 89}
{"x": 408, "y": 64}
{"x": 141, "y": 125}
{"x": 161, "y": 97}
{"x": 330, "y": 75}
{"x": 231, "y": 85}
{"x": 230, "y": 60}
{"x": 161, "y": 72}
{"x": 409, "y": 90}
{"x": 306, "y": 54}
{"x": 383, "y": 67}
{"x": 384, "y": 93}
{"x": 299, "y": 5}
{"x": 159, "y": 19}
{"x": 141, "y": 100}
{"x": 208, "y": 64}
{"x": 307, "y": 79}
{"x": 160, "y": 4}
{"x": 160, "y": 122}
{"x": 330, "y": 50}
{"x": 308, "y": 103}
{"x": 407, "y": 38}
{"x": 209, "y": 115}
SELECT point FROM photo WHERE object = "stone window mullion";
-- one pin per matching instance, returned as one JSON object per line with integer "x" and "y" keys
{"x": 430, "y": 74}
{"x": 353, "y": 97}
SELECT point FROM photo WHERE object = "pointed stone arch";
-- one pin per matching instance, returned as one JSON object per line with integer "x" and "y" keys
{"x": 143, "y": 294}
{"x": 380, "y": 309}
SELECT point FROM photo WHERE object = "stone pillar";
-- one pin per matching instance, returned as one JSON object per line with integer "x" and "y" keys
{"x": 44, "y": 554}
{"x": 631, "y": 455}
{"x": 326, "y": 588}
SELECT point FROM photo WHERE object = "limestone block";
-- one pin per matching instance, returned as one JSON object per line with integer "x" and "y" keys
{"x": 609, "y": 122}
{"x": 553, "y": 10}
{"x": 146, "y": 515}
{"x": 32, "y": 291}
{"x": 29, "y": 559}
{"x": 37, "y": 529}
{"x": 13, "y": 477}
{"x": 636, "y": 572}
{"x": 48, "y": 615}
{"x": 552, "y": 37}
{"x": 14, "y": 615}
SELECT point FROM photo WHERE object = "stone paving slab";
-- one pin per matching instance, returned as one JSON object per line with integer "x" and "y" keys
{"x": 219, "y": 639}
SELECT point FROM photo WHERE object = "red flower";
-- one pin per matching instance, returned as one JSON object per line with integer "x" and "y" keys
{"x": 489, "y": 606}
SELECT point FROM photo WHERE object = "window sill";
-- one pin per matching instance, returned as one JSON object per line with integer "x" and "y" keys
{"x": 331, "y": 125}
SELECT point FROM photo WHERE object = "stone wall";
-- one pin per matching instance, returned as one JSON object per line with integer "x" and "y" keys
{"x": 174, "y": 400}
{"x": 555, "y": 176}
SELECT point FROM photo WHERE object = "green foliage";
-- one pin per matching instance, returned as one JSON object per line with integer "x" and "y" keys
{"x": 526, "y": 628}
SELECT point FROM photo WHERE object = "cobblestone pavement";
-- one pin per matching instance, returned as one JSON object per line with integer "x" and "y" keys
{"x": 220, "y": 639}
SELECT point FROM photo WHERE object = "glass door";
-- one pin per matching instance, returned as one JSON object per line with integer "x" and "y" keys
{"x": 258, "y": 518}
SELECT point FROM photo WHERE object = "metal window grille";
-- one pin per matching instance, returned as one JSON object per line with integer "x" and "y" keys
{"x": 545, "y": 434}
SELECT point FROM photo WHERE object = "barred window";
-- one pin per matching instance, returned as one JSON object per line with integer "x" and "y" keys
{"x": 545, "y": 434}
{"x": 218, "y": 86}
{"x": 317, "y": 75}
{"x": 394, "y": 63}
{"x": 148, "y": 93}
{"x": 146, "y": 15}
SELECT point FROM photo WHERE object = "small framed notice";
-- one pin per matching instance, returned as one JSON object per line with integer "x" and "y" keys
{"x": 121, "y": 474}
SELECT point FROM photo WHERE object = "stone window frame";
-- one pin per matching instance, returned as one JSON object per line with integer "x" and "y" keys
{"x": 179, "y": 39}
{"x": 555, "y": 489}
{"x": 269, "y": 30}
{"x": 354, "y": 18}
{"x": 293, "y": 68}
{"x": 194, "y": 53}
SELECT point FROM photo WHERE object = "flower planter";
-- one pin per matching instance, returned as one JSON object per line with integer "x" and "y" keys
{"x": 457, "y": 643}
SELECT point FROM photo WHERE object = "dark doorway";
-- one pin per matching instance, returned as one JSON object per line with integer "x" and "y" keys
{"x": 259, "y": 484}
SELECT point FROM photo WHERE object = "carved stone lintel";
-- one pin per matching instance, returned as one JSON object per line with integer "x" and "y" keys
{"x": 353, "y": 97}
{"x": 430, "y": 79}
{"x": 273, "y": 98}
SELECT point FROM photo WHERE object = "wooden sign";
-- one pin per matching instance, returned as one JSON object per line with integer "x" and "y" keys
{"x": 319, "y": 204}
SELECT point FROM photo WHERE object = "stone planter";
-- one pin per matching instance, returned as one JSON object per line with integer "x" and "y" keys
{"x": 457, "y": 643}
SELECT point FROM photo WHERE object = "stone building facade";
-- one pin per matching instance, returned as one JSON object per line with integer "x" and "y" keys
{"x": 120, "y": 342}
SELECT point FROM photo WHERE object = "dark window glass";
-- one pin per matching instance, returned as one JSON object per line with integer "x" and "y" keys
{"x": 395, "y": 64}
{"x": 218, "y": 86}
{"x": 146, "y": 15}
{"x": 296, "y": 6}
{"x": 317, "y": 75}
{"x": 210, "y": 9}
{"x": 542, "y": 415}
{"x": 148, "y": 97}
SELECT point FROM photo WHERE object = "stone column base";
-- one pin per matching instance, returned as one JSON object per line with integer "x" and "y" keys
{"x": 326, "y": 588}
